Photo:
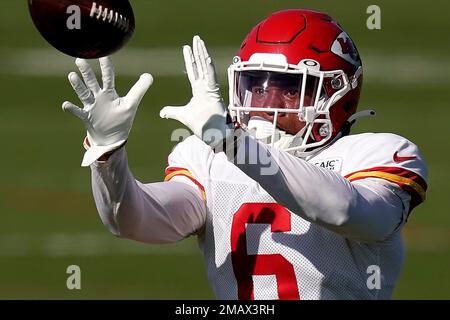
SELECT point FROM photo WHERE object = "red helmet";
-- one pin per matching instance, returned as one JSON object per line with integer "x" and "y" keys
{"x": 301, "y": 64}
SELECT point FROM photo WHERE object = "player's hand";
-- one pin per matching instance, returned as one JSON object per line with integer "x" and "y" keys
{"x": 107, "y": 117}
{"x": 205, "y": 114}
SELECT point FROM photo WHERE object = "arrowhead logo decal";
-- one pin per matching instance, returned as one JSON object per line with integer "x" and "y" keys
{"x": 344, "y": 48}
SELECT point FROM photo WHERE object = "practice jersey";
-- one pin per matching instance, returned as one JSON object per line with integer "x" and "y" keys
{"x": 254, "y": 248}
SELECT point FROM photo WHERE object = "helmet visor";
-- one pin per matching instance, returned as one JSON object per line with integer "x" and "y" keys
{"x": 276, "y": 90}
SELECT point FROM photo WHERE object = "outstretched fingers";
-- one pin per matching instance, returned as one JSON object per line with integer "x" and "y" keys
{"x": 107, "y": 69}
{"x": 189, "y": 62}
{"x": 204, "y": 63}
{"x": 200, "y": 63}
{"x": 137, "y": 92}
{"x": 84, "y": 94}
{"x": 75, "y": 110}
{"x": 175, "y": 113}
{"x": 88, "y": 75}
{"x": 208, "y": 65}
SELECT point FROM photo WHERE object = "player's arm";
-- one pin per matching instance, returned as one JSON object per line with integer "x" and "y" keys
{"x": 161, "y": 212}
{"x": 367, "y": 210}
{"x": 155, "y": 213}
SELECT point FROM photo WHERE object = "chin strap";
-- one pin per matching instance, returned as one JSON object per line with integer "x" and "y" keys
{"x": 360, "y": 114}
{"x": 352, "y": 120}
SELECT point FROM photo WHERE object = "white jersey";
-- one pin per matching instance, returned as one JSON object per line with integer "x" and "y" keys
{"x": 254, "y": 248}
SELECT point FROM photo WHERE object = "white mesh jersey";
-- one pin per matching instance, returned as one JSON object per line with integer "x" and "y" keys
{"x": 255, "y": 248}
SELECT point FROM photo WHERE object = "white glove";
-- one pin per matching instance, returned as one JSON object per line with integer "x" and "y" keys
{"x": 206, "y": 114}
{"x": 107, "y": 117}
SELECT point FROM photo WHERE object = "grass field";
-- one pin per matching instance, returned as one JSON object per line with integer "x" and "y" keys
{"x": 48, "y": 217}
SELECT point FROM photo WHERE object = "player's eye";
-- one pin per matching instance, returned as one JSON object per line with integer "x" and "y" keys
{"x": 291, "y": 93}
{"x": 258, "y": 91}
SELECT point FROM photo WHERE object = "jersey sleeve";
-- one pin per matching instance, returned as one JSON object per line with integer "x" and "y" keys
{"x": 158, "y": 212}
{"x": 391, "y": 158}
{"x": 189, "y": 162}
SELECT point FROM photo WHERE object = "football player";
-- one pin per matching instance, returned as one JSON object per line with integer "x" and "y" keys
{"x": 286, "y": 204}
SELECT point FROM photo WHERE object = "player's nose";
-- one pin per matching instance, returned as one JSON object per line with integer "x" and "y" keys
{"x": 274, "y": 99}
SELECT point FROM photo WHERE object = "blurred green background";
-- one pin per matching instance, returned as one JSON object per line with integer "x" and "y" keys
{"x": 48, "y": 219}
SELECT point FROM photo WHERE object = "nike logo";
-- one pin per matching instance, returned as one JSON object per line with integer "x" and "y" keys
{"x": 397, "y": 158}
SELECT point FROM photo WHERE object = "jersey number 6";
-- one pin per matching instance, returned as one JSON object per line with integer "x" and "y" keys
{"x": 245, "y": 265}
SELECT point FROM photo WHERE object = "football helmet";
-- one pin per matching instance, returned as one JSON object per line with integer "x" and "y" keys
{"x": 296, "y": 81}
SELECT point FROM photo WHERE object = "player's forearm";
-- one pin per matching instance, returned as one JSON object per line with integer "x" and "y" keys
{"x": 360, "y": 211}
{"x": 161, "y": 212}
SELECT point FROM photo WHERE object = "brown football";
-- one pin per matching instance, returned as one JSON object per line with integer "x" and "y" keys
{"x": 83, "y": 28}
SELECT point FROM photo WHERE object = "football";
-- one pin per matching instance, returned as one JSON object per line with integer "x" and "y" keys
{"x": 83, "y": 28}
